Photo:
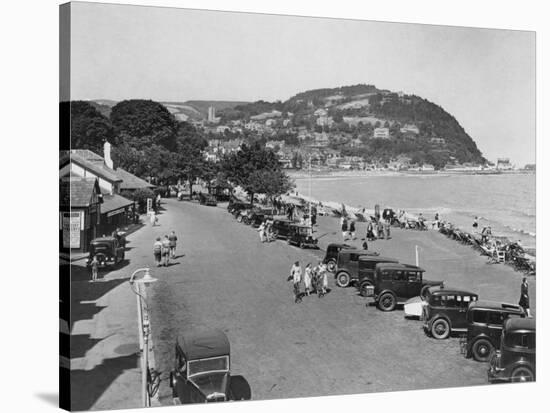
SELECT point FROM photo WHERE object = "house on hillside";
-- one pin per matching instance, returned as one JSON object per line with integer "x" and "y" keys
{"x": 410, "y": 128}
{"x": 504, "y": 164}
{"x": 437, "y": 141}
{"x": 381, "y": 133}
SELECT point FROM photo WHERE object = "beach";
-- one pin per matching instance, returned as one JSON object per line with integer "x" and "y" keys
{"x": 225, "y": 278}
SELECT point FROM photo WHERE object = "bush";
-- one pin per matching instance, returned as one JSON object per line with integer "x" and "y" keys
{"x": 140, "y": 197}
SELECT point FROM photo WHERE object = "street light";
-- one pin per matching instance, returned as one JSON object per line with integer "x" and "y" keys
{"x": 143, "y": 326}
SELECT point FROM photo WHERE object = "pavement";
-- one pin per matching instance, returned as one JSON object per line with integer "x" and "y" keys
{"x": 105, "y": 355}
{"x": 223, "y": 277}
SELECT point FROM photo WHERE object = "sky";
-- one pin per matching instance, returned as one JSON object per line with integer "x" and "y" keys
{"x": 485, "y": 78}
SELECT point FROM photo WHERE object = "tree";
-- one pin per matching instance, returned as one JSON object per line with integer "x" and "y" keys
{"x": 140, "y": 197}
{"x": 89, "y": 128}
{"x": 256, "y": 170}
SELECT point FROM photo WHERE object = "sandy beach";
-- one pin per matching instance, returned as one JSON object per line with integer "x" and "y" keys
{"x": 225, "y": 278}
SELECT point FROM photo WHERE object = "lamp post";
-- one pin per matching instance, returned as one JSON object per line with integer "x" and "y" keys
{"x": 143, "y": 326}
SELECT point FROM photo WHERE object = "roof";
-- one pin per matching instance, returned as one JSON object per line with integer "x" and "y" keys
{"x": 450, "y": 290}
{"x": 77, "y": 192}
{"x": 340, "y": 245}
{"x": 203, "y": 344}
{"x": 520, "y": 324}
{"x": 496, "y": 305}
{"x": 114, "y": 202}
{"x": 130, "y": 181}
{"x": 370, "y": 256}
{"x": 394, "y": 265}
{"x": 99, "y": 168}
{"x": 103, "y": 239}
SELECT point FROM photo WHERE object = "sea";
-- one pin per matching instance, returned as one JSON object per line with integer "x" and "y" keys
{"x": 505, "y": 202}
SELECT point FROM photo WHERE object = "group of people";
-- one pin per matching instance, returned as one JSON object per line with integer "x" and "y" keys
{"x": 315, "y": 280}
{"x": 378, "y": 230}
{"x": 266, "y": 231}
{"x": 164, "y": 249}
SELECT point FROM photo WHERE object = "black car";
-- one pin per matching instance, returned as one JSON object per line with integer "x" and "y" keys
{"x": 347, "y": 265}
{"x": 236, "y": 207}
{"x": 331, "y": 255}
{"x": 107, "y": 250}
{"x": 515, "y": 360}
{"x": 485, "y": 321}
{"x": 281, "y": 227}
{"x": 395, "y": 283}
{"x": 446, "y": 311}
{"x": 256, "y": 216}
{"x": 207, "y": 199}
{"x": 301, "y": 236}
{"x": 202, "y": 369}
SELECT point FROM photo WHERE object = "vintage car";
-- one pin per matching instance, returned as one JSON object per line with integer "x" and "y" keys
{"x": 107, "y": 250}
{"x": 301, "y": 236}
{"x": 515, "y": 360}
{"x": 347, "y": 265}
{"x": 202, "y": 369}
{"x": 237, "y": 206}
{"x": 485, "y": 320}
{"x": 446, "y": 311}
{"x": 331, "y": 254}
{"x": 207, "y": 199}
{"x": 256, "y": 216}
{"x": 395, "y": 283}
{"x": 281, "y": 227}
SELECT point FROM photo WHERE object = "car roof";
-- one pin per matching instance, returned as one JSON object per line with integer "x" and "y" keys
{"x": 200, "y": 344}
{"x": 518, "y": 324}
{"x": 438, "y": 290}
{"x": 495, "y": 305}
{"x": 393, "y": 264}
{"x": 300, "y": 225}
{"x": 103, "y": 239}
{"x": 340, "y": 245}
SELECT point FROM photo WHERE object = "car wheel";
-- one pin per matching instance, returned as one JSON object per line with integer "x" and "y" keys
{"x": 331, "y": 265}
{"x": 481, "y": 350}
{"x": 441, "y": 329}
{"x": 363, "y": 289}
{"x": 522, "y": 374}
{"x": 239, "y": 218}
{"x": 342, "y": 279}
{"x": 387, "y": 302}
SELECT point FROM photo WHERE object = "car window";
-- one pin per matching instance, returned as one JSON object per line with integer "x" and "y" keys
{"x": 412, "y": 276}
{"x": 435, "y": 300}
{"x": 353, "y": 257}
{"x": 386, "y": 275}
{"x": 208, "y": 365}
{"x": 450, "y": 300}
{"x": 399, "y": 275}
{"x": 521, "y": 340}
{"x": 479, "y": 317}
{"x": 496, "y": 318}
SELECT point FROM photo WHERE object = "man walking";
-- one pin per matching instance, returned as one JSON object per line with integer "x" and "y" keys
{"x": 166, "y": 250}
{"x": 157, "y": 251}
{"x": 524, "y": 297}
{"x": 95, "y": 266}
{"x": 173, "y": 240}
{"x": 296, "y": 276}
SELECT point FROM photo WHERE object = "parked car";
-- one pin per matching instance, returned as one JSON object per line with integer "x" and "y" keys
{"x": 347, "y": 265}
{"x": 301, "y": 236}
{"x": 256, "y": 216}
{"x": 515, "y": 360}
{"x": 107, "y": 250}
{"x": 207, "y": 199}
{"x": 202, "y": 369}
{"x": 281, "y": 227}
{"x": 395, "y": 283}
{"x": 366, "y": 274}
{"x": 331, "y": 254}
{"x": 446, "y": 311}
{"x": 236, "y": 207}
{"x": 485, "y": 320}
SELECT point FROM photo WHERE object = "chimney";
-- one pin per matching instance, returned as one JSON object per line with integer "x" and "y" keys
{"x": 107, "y": 155}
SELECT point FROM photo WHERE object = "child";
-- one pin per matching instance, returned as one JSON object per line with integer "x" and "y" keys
{"x": 95, "y": 266}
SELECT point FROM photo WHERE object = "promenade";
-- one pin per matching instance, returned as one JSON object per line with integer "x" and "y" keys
{"x": 225, "y": 278}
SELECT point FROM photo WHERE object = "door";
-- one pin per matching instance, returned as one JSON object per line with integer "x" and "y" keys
{"x": 400, "y": 283}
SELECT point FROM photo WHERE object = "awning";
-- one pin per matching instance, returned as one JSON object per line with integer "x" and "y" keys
{"x": 114, "y": 205}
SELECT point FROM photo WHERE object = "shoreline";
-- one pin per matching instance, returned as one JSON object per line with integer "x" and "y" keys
{"x": 319, "y": 174}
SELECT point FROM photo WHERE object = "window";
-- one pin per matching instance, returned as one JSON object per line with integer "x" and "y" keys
{"x": 399, "y": 275}
{"x": 479, "y": 317}
{"x": 386, "y": 275}
{"x": 450, "y": 301}
{"x": 412, "y": 276}
{"x": 496, "y": 318}
{"x": 353, "y": 257}
{"x": 208, "y": 365}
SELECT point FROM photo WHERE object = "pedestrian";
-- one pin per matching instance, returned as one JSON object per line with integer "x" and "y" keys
{"x": 387, "y": 229}
{"x": 380, "y": 230}
{"x": 157, "y": 251}
{"x": 173, "y": 241}
{"x": 95, "y": 267}
{"x": 524, "y": 297}
{"x": 352, "y": 230}
{"x": 153, "y": 218}
{"x": 365, "y": 245}
{"x": 436, "y": 221}
{"x": 261, "y": 230}
{"x": 345, "y": 229}
{"x": 308, "y": 273}
{"x": 166, "y": 250}
{"x": 475, "y": 224}
{"x": 370, "y": 231}
{"x": 313, "y": 216}
{"x": 322, "y": 280}
{"x": 296, "y": 277}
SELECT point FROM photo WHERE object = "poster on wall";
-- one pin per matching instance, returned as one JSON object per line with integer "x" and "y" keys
{"x": 72, "y": 223}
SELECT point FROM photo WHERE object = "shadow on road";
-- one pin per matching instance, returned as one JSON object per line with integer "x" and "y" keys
{"x": 87, "y": 386}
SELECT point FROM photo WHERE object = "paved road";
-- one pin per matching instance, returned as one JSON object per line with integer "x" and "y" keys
{"x": 333, "y": 345}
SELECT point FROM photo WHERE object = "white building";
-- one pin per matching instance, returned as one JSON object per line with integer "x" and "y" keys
{"x": 381, "y": 133}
